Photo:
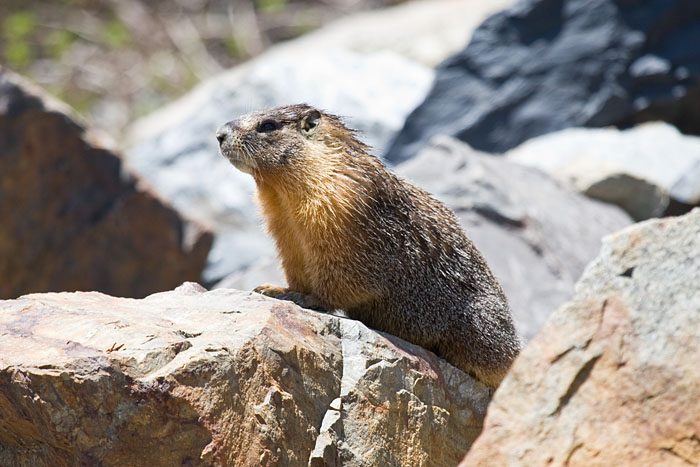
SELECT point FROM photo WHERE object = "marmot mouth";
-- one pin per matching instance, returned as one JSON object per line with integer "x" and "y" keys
{"x": 239, "y": 160}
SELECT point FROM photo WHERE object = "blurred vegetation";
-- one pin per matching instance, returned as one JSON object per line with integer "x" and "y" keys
{"x": 17, "y": 31}
{"x": 114, "y": 61}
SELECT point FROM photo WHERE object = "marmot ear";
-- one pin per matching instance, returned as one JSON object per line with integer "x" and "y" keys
{"x": 310, "y": 122}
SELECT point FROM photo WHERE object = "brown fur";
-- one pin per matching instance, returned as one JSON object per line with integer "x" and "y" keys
{"x": 353, "y": 236}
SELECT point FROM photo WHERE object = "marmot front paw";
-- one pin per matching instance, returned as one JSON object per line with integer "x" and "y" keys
{"x": 282, "y": 293}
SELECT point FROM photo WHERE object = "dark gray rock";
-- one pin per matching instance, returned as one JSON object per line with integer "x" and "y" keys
{"x": 545, "y": 65}
{"x": 536, "y": 234}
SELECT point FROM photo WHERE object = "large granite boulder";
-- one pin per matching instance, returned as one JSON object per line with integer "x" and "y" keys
{"x": 72, "y": 217}
{"x": 545, "y": 65}
{"x": 537, "y": 235}
{"x": 179, "y": 155}
{"x": 613, "y": 378}
{"x": 647, "y": 170}
{"x": 190, "y": 377}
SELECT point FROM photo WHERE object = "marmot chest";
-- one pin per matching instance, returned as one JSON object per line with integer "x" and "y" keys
{"x": 321, "y": 252}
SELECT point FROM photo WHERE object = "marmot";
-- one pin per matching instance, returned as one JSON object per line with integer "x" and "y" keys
{"x": 353, "y": 236}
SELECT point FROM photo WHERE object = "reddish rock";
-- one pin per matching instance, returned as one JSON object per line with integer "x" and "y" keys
{"x": 72, "y": 218}
{"x": 190, "y": 377}
{"x": 614, "y": 376}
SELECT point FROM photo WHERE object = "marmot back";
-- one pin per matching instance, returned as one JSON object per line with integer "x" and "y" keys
{"x": 353, "y": 236}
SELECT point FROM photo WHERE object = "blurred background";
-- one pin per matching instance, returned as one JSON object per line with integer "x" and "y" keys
{"x": 545, "y": 125}
{"x": 115, "y": 61}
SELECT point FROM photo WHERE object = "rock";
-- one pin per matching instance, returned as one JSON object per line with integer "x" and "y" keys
{"x": 375, "y": 92}
{"x": 545, "y": 65}
{"x": 639, "y": 197}
{"x": 190, "y": 377}
{"x": 425, "y": 31}
{"x": 72, "y": 218}
{"x": 536, "y": 235}
{"x": 613, "y": 378}
{"x": 265, "y": 270}
{"x": 637, "y": 169}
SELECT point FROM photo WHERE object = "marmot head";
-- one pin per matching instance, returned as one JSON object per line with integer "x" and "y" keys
{"x": 266, "y": 140}
{"x": 282, "y": 138}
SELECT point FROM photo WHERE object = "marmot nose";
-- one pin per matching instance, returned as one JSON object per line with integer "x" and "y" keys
{"x": 226, "y": 130}
{"x": 222, "y": 133}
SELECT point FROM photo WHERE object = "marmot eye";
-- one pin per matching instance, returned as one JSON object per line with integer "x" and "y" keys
{"x": 267, "y": 126}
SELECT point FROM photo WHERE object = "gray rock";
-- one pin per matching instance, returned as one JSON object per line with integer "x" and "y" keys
{"x": 176, "y": 150}
{"x": 640, "y": 169}
{"x": 536, "y": 234}
{"x": 639, "y": 197}
{"x": 266, "y": 269}
{"x": 426, "y": 31}
{"x": 687, "y": 187}
{"x": 545, "y": 65}
{"x": 613, "y": 377}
